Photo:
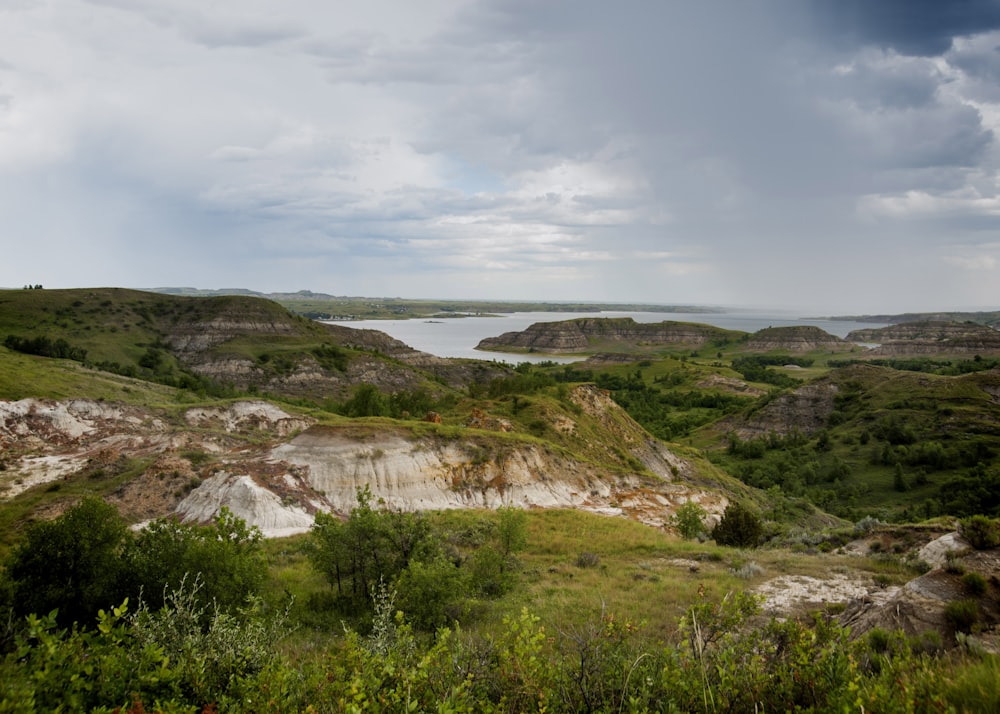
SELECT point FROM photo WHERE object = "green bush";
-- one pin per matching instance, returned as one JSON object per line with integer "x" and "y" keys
{"x": 72, "y": 564}
{"x": 740, "y": 527}
{"x": 981, "y": 532}
{"x": 226, "y": 556}
{"x": 430, "y": 593}
{"x": 689, "y": 520}
{"x": 975, "y": 584}
{"x": 962, "y": 615}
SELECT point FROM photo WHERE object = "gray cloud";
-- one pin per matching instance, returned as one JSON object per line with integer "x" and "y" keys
{"x": 806, "y": 153}
{"x": 915, "y": 27}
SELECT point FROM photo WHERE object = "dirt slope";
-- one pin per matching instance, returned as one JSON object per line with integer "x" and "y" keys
{"x": 276, "y": 470}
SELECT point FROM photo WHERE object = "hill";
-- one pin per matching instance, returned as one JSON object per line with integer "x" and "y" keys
{"x": 930, "y": 338}
{"x": 212, "y": 344}
{"x": 797, "y": 339}
{"x": 276, "y": 468}
{"x": 990, "y": 318}
{"x": 154, "y": 404}
{"x": 605, "y": 334}
{"x": 869, "y": 440}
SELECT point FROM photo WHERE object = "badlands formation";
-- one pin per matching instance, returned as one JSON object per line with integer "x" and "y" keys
{"x": 276, "y": 470}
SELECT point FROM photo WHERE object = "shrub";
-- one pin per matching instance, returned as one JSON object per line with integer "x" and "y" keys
{"x": 879, "y": 640}
{"x": 430, "y": 593}
{"x": 739, "y": 527}
{"x": 981, "y": 532}
{"x": 587, "y": 560}
{"x": 866, "y": 525}
{"x": 747, "y": 570}
{"x": 71, "y": 564}
{"x": 975, "y": 584}
{"x": 689, "y": 520}
{"x": 227, "y": 556}
{"x": 962, "y": 615}
{"x": 953, "y": 564}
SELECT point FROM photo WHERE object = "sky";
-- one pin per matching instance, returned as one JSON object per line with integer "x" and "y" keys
{"x": 813, "y": 155}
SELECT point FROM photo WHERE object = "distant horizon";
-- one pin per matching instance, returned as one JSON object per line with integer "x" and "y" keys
{"x": 804, "y": 312}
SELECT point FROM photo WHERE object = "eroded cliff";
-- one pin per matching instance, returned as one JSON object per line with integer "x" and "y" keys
{"x": 594, "y": 334}
{"x": 929, "y": 338}
{"x": 276, "y": 469}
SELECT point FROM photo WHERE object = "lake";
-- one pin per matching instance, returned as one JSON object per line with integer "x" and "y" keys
{"x": 458, "y": 336}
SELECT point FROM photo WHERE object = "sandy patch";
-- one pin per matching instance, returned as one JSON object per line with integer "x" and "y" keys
{"x": 38, "y": 470}
{"x": 792, "y": 592}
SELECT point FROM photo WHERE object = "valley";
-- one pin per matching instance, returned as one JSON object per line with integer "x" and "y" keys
{"x": 857, "y": 466}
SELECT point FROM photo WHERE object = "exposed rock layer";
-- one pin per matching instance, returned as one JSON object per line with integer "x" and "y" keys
{"x": 590, "y": 334}
{"x": 803, "y": 338}
{"x": 276, "y": 470}
{"x": 930, "y": 338}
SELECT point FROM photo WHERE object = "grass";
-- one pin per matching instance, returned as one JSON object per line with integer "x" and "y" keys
{"x": 641, "y": 575}
{"x": 24, "y": 376}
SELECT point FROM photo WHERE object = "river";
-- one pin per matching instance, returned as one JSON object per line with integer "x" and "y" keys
{"x": 458, "y": 336}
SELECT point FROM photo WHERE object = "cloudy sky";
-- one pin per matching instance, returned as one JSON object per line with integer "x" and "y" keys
{"x": 811, "y": 154}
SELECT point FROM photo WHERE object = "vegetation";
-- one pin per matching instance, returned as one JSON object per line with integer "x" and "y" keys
{"x": 981, "y": 532}
{"x": 494, "y": 611}
{"x": 739, "y": 527}
{"x": 72, "y": 567}
{"x": 167, "y": 661}
{"x": 689, "y": 520}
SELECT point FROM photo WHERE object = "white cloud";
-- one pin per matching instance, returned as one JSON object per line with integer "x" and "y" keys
{"x": 979, "y": 262}
{"x": 578, "y": 150}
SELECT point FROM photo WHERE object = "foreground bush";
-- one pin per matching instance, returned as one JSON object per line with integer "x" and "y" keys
{"x": 87, "y": 559}
{"x": 165, "y": 661}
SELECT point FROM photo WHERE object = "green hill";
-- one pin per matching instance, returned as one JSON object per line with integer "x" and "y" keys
{"x": 218, "y": 345}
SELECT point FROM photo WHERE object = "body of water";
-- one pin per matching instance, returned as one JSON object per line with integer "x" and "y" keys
{"x": 458, "y": 336}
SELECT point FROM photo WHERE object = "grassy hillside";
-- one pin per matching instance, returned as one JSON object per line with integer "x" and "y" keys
{"x": 888, "y": 442}
{"x": 221, "y": 345}
{"x": 594, "y": 613}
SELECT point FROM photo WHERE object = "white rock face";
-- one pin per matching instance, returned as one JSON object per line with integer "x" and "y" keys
{"x": 246, "y": 499}
{"x": 786, "y": 592}
{"x": 935, "y": 553}
{"x": 38, "y": 470}
{"x": 248, "y": 415}
{"x": 418, "y": 476}
{"x": 64, "y": 420}
{"x": 291, "y": 468}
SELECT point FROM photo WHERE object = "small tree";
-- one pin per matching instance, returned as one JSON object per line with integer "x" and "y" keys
{"x": 226, "y": 557}
{"x": 367, "y": 401}
{"x": 72, "y": 564}
{"x": 898, "y": 480}
{"x": 740, "y": 527}
{"x": 689, "y": 520}
{"x": 512, "y": 530}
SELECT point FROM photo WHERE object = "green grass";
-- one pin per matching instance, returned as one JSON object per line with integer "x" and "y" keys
{"x": 24, "y": 376}
{"x": 639, "y": 574}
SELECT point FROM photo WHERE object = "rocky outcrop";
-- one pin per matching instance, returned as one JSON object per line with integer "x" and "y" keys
{"x": 731, "y": 385}
{"x": 258, "y": 505}
{"x": 921, "y": 605}
{"x": 928, "y": 339}
{"x": 806, "y": 410}
{"x": 799, "y": 339}
{"x": 247, "y": 416}
{"x": 594, "y": 334}
{"x": 413, "y": 475}
{"x": 276, "y": 470}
